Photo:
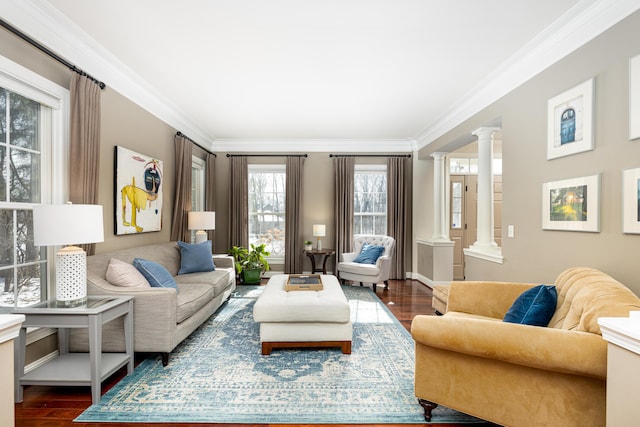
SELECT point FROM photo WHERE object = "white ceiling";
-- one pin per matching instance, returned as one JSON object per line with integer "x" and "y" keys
{"x": 384, "y": 72}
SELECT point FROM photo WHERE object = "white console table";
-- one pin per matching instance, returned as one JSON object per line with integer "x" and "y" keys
{"x": 623, "y": 369}
{"x": 76, "y": 369}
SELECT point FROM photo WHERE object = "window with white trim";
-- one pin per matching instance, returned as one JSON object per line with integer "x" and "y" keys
{"x": 33, "y": 114}
{"x": 370, "y": 199}
{"x": 198, "y": 185}
{"x": 267, "y": 191}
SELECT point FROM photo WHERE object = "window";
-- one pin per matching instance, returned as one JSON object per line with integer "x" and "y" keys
{"x": 267, "y": 185}
{"x": 31, "y": 137}
{"x": 370, "y": 199}
{"x": 198, "y": 185}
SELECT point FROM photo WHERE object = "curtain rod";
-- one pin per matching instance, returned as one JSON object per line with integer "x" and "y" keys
{"x": 370, "y": 155}
{"x": 52, "y": 54}
{"x": 195, "y": 143}
{"x": 267, "y": 155}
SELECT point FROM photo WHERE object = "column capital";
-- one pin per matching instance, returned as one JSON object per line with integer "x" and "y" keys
{"x": 438, "y": 155}
{"x": 486, "y": 130}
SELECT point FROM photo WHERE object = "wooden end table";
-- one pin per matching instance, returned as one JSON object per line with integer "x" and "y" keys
{"x": 324, "y": 253}
{"x": 75, "y": 369}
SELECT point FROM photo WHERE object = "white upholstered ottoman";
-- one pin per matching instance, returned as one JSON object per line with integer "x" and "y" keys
{"x": 303, "y": 318}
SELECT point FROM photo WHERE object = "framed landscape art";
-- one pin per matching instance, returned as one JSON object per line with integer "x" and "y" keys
{"x": 138, "y": 192}
{"x": 572, "y": 204}
{"x": 570, "y": 121}
{"x": 631, "y": 201}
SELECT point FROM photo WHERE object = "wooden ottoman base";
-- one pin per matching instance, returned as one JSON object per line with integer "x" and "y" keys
{"x": 345, "y": 346}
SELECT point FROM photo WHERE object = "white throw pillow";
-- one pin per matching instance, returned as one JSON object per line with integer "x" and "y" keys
{"x": 120, "y": 273}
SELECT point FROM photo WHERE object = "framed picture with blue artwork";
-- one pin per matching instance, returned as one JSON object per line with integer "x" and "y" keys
{"x": 631, "y": 201}
{"x": 570, "y": 121}
{"x": 138, "y": 192}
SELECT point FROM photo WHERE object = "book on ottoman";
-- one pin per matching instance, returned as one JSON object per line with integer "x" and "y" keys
{"x": 304, "y": 282}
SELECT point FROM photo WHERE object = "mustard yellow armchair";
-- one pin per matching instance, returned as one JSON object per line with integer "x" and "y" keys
{"x": 520, "y": 375}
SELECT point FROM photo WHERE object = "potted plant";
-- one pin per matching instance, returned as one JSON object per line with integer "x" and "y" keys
{"x": 254, "y": 264}
{"x": 239, "y": 254}
{"x": 308, "y": 245}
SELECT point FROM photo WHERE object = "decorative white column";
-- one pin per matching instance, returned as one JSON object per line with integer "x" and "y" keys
{"x": 440, "y": 233}
{"x": 485, "y": 242}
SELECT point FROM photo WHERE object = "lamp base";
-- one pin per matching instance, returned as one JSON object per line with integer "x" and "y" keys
{"x": 319, "y": 244}
{"x": 71, "y": 276}
{"x": 201, "y": 236}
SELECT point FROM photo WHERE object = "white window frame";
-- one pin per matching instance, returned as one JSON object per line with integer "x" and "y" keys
{"x": 54, "y": 151}
{"x": 198, "y": 186}
{"x": 273, "y": 168}
{"x": 372, "y": 168}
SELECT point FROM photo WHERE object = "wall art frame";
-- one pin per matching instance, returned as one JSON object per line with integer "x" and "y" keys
{"x": 634, "y": 98}
{"x": 631, "y": 201}
{"x": 572, "y": 204}
{"x": 137, "y": 192}
{"x": 570, "y": 121}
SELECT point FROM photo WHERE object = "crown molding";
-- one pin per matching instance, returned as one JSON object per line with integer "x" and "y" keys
{"x": 580, "y": 24}
{"x": 583, "y": 22}
{"x": 314, "y": 145}
{"x": 47, "y": 25}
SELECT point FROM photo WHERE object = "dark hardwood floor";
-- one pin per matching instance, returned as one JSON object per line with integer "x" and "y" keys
{"x": 58, "y": 406}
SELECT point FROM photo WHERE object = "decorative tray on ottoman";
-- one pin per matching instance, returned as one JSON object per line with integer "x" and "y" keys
{"x": 304, "y": 282}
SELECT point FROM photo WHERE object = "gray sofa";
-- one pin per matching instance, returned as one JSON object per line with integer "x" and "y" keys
{"x": 162, "y": 316}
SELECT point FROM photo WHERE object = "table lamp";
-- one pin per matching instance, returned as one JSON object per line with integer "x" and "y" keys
{"x": 319, "y": 231}
{"x": 202, "y": 220}
{"x": 57, "y": 225}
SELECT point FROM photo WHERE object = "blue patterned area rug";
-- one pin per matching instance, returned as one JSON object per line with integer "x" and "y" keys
{"x": 218, "y": 375}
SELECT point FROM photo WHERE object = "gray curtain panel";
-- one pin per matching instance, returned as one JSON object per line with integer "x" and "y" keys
{"x": 293, "y": 242}
{"x": 343, "y": 204}
{"x": 182, "y": 200}
{"x": 210, "y": 193}
{"x": 398, "y": 211}
{"x": 239, "y": 202}
{"x": 84, "y": 143}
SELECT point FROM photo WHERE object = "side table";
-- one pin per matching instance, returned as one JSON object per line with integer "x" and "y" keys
{"x": 324, "y": 253}
{"x": 75, "y": 369}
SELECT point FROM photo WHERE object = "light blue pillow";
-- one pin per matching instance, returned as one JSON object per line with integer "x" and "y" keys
{"x": 195, "y": 258}
{"x": 156, "y": 274}
{"x": 535, "y": 306}
{"x": 369, "y": 254}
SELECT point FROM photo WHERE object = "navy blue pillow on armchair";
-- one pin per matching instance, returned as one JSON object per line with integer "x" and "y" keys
{"x": 369, "y": 254}
{"x": 534, "y": 306}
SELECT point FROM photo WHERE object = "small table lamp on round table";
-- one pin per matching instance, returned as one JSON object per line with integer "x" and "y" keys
{"x": 319, "y": 230}
{"x": 68, "y": 224}
{"x": 202, "y": 220}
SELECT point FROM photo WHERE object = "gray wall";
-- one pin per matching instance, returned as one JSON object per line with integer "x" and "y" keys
{"x": 533, "y": 254}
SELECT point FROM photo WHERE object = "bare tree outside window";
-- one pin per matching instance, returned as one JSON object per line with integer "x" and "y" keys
{"x": 22, "y": 264}
{"x": 267, "y": 185}
{"x": 370, "y": 200}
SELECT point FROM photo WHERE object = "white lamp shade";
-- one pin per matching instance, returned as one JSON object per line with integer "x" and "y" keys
{"x": 319, "y": 230}
{"x": 67, "y": 224}
{"x": 202, "y": 220}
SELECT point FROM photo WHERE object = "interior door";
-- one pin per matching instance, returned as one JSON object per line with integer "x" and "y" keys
{"x": 463, "y": 230}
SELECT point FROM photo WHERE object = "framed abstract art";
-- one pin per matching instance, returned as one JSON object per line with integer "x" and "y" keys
{"x": 138, "y": 192}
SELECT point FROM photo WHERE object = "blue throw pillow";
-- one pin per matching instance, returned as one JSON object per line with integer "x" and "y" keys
{"x": 534, "y": 307}
{"x": 156, "y": 275}
{"x": 195, "y": 258}
{"x": 369, "y": 254}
